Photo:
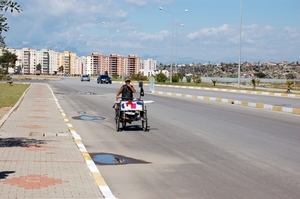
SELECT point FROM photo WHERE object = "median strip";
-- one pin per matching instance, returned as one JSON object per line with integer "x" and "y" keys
{"x": 237, "y": 102}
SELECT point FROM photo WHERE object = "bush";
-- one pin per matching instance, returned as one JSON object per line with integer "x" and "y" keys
{"x": 260, "y": 75}
{"x": 289, "y": 84}
{"x": 175, "y": 78}
{"x": 214, "y": 81}
{"x": 188, "y": 79}
{"x": 6, "y": 78}
{"x": 161, "y": 77}
{"x": 197, "y": 79}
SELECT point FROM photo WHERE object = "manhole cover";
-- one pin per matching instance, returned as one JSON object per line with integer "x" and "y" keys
{"x": 112, "y": 159}
{"x": 88, "y": 118}
{"x": 88, "y": 93}
{"x": 81, "y": 112}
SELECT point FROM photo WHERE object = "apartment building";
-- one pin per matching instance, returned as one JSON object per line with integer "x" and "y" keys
{"x": 148, "y": 67}
{"x": 67, "y": 61}
{"x": 26, "y": 62}
{"x": 47, "y": 61}
{"x": 81, "y": 63}
{"x": 96, "y": 64}
{"x": 115, "y": 64}
{"x": 133, "y": 65}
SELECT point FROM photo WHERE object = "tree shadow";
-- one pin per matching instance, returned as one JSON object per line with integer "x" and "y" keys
{"x": 19, "y": 142}
{"x": 4, "y": 174}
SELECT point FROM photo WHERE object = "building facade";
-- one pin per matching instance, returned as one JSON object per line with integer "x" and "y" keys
{"x": 67, "y": 62}
{"x": 48, "y": 60}
{"x": 148, "y": 67}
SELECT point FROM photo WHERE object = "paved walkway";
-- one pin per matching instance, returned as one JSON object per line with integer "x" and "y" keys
{"x": 41, "y": 154}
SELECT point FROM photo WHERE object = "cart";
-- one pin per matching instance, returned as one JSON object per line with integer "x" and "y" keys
{"x": 133, "y": 110}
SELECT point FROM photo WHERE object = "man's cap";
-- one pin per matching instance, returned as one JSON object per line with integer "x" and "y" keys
{"x": 127, "y": 79}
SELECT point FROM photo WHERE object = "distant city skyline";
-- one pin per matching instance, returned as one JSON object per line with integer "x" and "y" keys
{"x": 271, "y": 29}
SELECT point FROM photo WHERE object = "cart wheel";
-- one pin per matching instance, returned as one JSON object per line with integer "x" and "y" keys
{"x": 145, "y": 121}
{"x": 117, "y": 118}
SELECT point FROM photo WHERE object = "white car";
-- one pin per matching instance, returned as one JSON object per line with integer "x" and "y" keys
{"x": 85, "y": 78}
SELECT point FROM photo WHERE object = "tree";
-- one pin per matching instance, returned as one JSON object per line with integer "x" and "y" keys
{"x": 4, "y": 6}
{"x": 61, "y": 69}
{"x": 7, "y": 60}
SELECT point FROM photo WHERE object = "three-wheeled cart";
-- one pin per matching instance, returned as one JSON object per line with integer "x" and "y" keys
{"x": 132, "y": 110}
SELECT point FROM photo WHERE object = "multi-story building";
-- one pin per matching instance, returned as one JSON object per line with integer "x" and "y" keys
{"x": 133, "y": 65}
{"x": 67, "y": 61}
{"x": 48, "y": 60}
{"x": 96, "y": 64}
{"x": 148, "y": 67}
{"x": 81, "y": 63}
{"x": 115, "y": 64}
{"x": 26, "y": 60}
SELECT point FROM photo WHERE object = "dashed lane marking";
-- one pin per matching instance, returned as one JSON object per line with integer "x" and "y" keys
{"x": 236, "y": 102}
{"x": 105, "y": 190}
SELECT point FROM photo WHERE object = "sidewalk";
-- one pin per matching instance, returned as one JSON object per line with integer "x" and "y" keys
{"x": 40, "y": 156}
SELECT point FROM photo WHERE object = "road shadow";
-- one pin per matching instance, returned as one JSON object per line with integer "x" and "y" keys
{"x": 131, "y": 127}
{"x": 19, "y": 142}
{"x": 4, "y": 174}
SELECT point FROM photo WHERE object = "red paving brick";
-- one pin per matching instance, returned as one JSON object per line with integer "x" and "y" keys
{"x": 33, "y": 127}
{"x": 33, "y": 181}
{"x": 37, "y": 147}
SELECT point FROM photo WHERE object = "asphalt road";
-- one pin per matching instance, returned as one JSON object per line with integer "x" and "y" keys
{"x": 194, "y": 149}
{"x": 288, "y": 102}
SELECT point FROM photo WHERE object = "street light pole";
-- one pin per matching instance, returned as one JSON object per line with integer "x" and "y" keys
{"x": 173, "y": 15}
{"x": 108, "y": 49}
{"x": 176, "y": 58}
{"x": 239, "y": 70}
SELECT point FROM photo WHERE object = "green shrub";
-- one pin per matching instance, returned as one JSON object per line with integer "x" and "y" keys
{"x": 197, "y": 80}
{"x": 175, "y": 78}
{"x": 214, "y": 81}
{"x": 188, "y": 79}
{"x": 260, "y": 75}
{"x": 161, "y": 77}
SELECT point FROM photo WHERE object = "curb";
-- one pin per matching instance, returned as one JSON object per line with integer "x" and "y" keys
{"x": 237, "y": 91}
{"x": 99, "y": 180}
{"x": 237, "y": 102}
{"x": 4, "y": 118}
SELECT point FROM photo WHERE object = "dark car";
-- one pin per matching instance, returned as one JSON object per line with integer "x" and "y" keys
{"x": 103, "y": 79}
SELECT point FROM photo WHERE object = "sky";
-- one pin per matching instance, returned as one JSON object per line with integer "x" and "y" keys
{"x": 183, "y": 31}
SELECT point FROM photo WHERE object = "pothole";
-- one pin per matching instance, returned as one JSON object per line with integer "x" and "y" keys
{"x": 88, "y": 118}
{"x": 113, "y": 159}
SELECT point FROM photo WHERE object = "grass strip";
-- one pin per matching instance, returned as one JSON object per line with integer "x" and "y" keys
{"x": 10, "y": 94}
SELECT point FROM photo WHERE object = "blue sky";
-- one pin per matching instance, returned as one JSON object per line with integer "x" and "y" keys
{"x": 208, "y": 32}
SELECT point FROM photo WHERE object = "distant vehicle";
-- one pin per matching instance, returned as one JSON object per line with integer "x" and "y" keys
{"x": 103, "y": 79}
{"x": 85, "y": 78}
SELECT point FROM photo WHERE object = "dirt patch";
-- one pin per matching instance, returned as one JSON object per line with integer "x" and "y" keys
{"x": 3, "y": 111}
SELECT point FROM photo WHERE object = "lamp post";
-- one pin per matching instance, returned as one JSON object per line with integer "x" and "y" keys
{"x": 124, "y": 69}
{"x": 239, "y": 70}
{"x": 108, "y": 50}
{"x": 125, "y": 58}
{"x": 173, "y": 14}
{"x": 176, "y": 58}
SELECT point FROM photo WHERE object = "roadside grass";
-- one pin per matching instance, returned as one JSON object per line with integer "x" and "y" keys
{"x": 10, "y": 94}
